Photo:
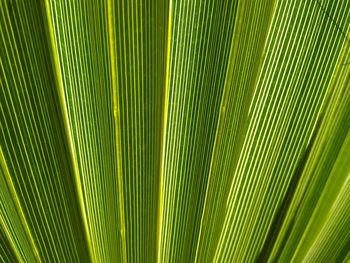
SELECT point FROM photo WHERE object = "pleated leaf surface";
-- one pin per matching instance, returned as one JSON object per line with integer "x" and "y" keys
{"x": 174, "y": 131}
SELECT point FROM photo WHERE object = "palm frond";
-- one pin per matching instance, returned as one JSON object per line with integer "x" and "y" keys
{"x": 175, "y": 131}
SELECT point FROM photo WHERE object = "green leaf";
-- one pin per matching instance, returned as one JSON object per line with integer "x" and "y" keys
{"x": 15, "y": 233}
{"x": 174, "y": 131}
{"x": 33, "y": 142}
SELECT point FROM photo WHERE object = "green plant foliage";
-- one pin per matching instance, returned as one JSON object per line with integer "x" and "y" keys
{"x": 174, "y": 131}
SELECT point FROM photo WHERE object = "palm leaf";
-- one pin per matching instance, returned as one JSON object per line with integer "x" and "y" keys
{"x": 175, "y": 131}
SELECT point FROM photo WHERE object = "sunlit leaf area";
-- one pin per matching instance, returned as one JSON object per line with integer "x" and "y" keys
{"x": 175, "y": 131}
